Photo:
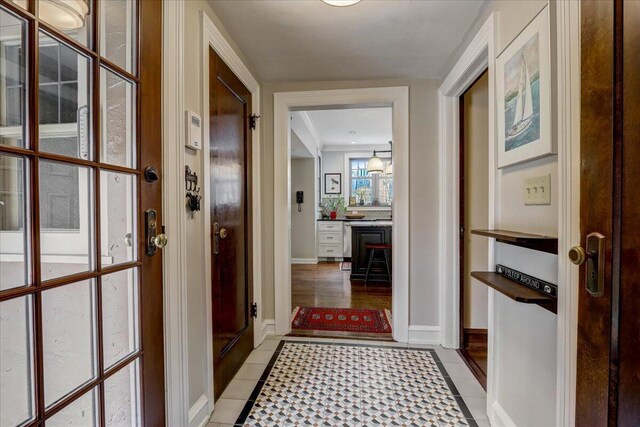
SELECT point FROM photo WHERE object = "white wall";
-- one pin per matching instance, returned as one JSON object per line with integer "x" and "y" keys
{"x": 524, "y": 349}
{"x": 423, "y": 191}
{"x": 199, "y": 369}
{"x": 303, "y": 224}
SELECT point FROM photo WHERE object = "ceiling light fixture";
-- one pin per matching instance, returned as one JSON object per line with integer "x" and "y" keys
{"x": 341, "y": 3}
{"x": 63, "y": 14}
{"x": 352, "y": 132}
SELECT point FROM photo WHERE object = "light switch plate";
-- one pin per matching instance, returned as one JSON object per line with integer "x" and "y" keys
{"x": 537, "y": 190}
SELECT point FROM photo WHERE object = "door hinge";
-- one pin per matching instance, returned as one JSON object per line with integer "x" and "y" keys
{"x": 254, "y": 310}
{"x": 252, "y": 121}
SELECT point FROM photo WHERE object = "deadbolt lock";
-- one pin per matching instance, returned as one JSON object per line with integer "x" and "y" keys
{"x": 577, "y": 255}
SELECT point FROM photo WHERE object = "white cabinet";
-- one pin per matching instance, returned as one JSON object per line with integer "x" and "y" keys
{"x": 330, "y": 241}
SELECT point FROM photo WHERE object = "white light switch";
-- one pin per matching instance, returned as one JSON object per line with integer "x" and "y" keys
{"x": 537, "y": 190}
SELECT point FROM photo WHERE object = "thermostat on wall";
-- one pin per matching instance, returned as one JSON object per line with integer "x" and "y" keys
{"x": 194, "y": 131}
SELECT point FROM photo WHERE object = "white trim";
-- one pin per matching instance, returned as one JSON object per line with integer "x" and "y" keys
{"x": 304, "y": 260}
{"x": 268, "y": 328}
{"x": 312, "y": 129}
{"x": 199, "y": 413}
{"x": 568, "y": 35}
{"x": 499, "y": 417}
{"x": 478, "y": 56}
{"x": 283, "y": 103}
{"x": 424, "y": 334}
{"x": 212, "y": 37}
{"x": 174, "y": 254}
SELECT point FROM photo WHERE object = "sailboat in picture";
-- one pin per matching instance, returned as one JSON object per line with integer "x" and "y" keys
{"x": 524, "y": 104}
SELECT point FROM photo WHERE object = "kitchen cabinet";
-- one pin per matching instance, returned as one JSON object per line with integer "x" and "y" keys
{"x": 360, "y": 237}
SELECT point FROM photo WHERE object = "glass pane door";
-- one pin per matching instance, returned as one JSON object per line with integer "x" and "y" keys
{"x": 71, "y": 265}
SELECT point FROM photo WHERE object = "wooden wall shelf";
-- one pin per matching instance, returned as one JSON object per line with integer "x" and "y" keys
{"x": 537, "y": 242}
{"x": 515, "y": 290}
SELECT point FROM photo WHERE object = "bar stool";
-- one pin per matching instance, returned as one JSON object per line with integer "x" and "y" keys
{"x": 373, "y": 260}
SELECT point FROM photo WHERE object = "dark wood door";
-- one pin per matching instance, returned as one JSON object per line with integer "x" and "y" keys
{"x": 80, "y": 300}
{"x": 230, "y": 166}
{"x": 608, "y": 390}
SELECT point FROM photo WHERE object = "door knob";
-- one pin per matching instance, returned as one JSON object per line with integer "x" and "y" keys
{"x": 160, "y": 241}
{"x": 578, "y": 255}
{"x": 223, "y": 233}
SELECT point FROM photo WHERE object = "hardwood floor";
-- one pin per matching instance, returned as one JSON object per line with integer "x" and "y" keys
{"x": 474, "y": 353}
{"x": 325, "y": 285}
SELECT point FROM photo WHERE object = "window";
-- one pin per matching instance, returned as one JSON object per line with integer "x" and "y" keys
{"x": 367, "y": 189}
{"x": 64, "y": 120}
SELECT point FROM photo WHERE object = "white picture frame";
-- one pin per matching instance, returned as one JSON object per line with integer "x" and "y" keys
{"x": 523, "y": 85}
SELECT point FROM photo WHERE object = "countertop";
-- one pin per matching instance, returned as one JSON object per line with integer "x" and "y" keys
{"x": 355, "y": 220}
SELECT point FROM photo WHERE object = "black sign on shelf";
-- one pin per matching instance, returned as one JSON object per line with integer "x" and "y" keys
{"x": 528, "y": 281}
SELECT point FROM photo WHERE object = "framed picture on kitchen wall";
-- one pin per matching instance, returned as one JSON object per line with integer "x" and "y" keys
{"x": 523, "y": 82}
{"x": 332, "y": 183}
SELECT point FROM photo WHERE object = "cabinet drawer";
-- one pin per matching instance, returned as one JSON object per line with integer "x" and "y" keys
{"x": 327, "y": 250}
{"x": 330, "y": 226}
{"x": 329, "y": 237}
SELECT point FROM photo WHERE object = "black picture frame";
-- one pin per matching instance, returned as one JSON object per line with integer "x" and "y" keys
{"x": 332, "y": 183}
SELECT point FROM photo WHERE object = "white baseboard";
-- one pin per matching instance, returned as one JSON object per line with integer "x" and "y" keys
{"x": 424, "y": 334}
{"x": 268, "y": 328}
{"x": 499, "y": 417}
{"x": 199, "y": 412}
{"x": 304, "y": 260}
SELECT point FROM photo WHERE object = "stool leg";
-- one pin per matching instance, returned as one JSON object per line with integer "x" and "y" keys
{"x": 386, "y": 262}
{"x": 366, "y": 278}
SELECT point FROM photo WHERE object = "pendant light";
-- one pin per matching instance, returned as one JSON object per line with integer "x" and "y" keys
{"x": 375, "y": 165}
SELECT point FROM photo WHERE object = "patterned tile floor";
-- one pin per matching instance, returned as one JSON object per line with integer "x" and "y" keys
{"x": 351, "y": 383}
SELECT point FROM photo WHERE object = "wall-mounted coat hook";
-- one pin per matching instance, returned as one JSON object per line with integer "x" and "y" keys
{"x": 193, "y": 191}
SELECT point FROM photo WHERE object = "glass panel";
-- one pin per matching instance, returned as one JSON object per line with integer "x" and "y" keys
{"x": 117, "y": 33}
{"x": 122, "y": 397}
{"x": 14, "y": 230}
{"x": 72, "y": 17}
{"x": 119, "y": 316}
{"x": 118, "y": 215}
{"x": 16, "y": 362}
{"x": 12, "y": 79}
{"x": 82, "y": 412}
{"x": 385, "y": 191}
{"x": 118, "y": 119}
{"x": 65, "y": 96}
{"x": 66, "y": 219}
{"x": 69, "y": 338}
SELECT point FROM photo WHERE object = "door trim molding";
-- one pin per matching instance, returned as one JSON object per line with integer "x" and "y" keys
{"x": 477, "y": 57}
{"x": 174, "y": 254}
{"x": 568, "y": 119}
{"x": 213, "y": 37}
{"x": 283, "y": 102}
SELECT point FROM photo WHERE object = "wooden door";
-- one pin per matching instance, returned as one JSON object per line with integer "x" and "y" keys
{"x": 81, "y": 310}
{"x": 230, "y": 169}
{"x": 608, "y": 329}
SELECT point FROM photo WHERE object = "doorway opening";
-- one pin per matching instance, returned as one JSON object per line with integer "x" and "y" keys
{"x": 395, "y": 98}
{"x": 474, "y": 214}
{"x": 341, "y": 220}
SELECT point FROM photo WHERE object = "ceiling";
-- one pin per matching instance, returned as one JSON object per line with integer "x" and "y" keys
{"x": 372, "y": 126}
{"x": 298, "y": 149}
{"x": 306, "y": 40}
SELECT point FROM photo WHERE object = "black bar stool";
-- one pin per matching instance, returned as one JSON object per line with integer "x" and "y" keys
{"x": 373, "y": 260}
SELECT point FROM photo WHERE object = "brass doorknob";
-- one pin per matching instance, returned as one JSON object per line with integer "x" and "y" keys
{"x": 577, "y": 255}
{"x": 160, "y": 240}
{"x": 223, "y": 233}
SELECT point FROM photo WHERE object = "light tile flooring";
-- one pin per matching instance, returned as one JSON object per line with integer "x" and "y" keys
{"x": 351, "y": 382}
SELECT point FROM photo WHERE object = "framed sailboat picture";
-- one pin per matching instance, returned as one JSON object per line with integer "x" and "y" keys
{"x": 524, "y": 95}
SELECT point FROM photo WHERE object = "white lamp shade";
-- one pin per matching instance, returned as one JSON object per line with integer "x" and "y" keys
{"x": 375, "y": 165}
{"x": 388, "y": 170}
{"x": 64, "y": 14}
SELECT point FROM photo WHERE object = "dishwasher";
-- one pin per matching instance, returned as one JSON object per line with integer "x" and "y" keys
{"x": 346, "y": 240}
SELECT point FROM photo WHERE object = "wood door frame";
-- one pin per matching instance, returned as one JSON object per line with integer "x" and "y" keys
{"x": 398, "y": 97}
{"x": 213, "y": 38}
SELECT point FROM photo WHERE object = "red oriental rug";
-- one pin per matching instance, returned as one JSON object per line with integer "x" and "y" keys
{"x": 342, "y": 319}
